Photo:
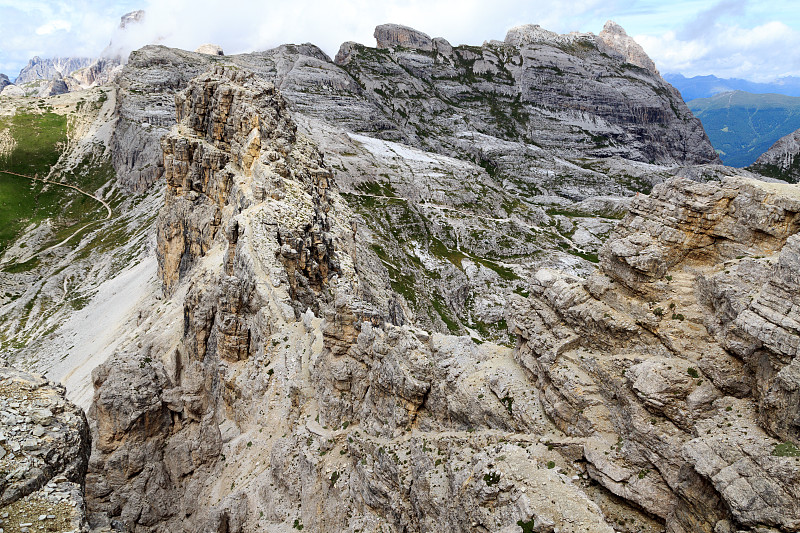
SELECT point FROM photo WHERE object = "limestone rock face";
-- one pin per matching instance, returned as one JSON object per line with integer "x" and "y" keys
{"x": 330, "y": 228}
{"x": 782, "y": 160}
{"x": 210, "y": 49}
{"x": 4, "y": 82}
{"x": 129, "y": 19}
{"x": 56, "y": 86}
{"x": 44, "y": 453}
{"x": 688, "y": 219}
{"x": 675, "y": 362}
{"x": 419, "y": 93}
{"x": 609, "y": 92}
{"x": 395, "y": 35}
{"x": 146, "y": 109}
{"x": 101, "y": 72}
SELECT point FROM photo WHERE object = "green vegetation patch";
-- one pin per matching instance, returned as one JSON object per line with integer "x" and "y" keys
{"x": 742, "y": 126}
{"x": 786, "y": 449}
{"x": 40, "y": 139}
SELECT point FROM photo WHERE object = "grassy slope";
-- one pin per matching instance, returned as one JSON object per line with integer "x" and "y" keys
{"x": 742, "y": 126}
{"x": 40, "y": 139}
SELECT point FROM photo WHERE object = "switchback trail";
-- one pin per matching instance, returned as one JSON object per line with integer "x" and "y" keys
{"x": 45, "y": 180}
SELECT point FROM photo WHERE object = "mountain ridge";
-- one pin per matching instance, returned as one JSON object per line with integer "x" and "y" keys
{"x": 416, "y": 288}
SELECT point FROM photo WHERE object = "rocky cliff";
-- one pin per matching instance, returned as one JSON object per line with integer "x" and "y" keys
{"x": 44, "y": 452}
{"x": 675, "y": 363}
{"x": 288, "y": 361}
{"x": 420, "y": 196}
{"x": 782, "y": 160}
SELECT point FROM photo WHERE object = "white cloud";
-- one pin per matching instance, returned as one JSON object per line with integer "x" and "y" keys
{"x": 688, "y": 36}
{"x": 53, "y": 26}
{"x": 761, "y": 53}
{"x": 248, "y": 25}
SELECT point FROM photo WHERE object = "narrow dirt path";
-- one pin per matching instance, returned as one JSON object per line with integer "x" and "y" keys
{"x": 45, "y": 180}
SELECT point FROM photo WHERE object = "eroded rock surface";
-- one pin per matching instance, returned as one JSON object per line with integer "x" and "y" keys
{"x": 326, "y": 223}
{"x": 675, "y": 362}
{"x": 289, "y": 391}
{"x": 44, "y": 452}
{"x": 394, "y": 35}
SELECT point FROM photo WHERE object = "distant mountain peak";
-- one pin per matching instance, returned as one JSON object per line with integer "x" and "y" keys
{"x": 708, "y": 86}
{"x": 134, "y": 17}
{"x": 45, "y": 69}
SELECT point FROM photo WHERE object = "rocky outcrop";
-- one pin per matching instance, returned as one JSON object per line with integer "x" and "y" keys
{"x": 146, "y": 110}
{"x": 674, "y": 363}
{"x": 101, "y": 72}
{"x": 395, "y": 35}
{"x": 12, "y": 91}
{"x": 782, "y": 160}
{"x": 523, "y": 152}
{"x": 610, "y": 91}
{"x": 4, "y": 82}
{"x": 44, "y": 452}
{"x": 56, "y": 86}
{"x": 210, "y": 49}
{"x": 325, "y": 224}
{"x": 132, "y": 18}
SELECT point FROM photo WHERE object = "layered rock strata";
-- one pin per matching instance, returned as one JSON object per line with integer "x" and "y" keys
{"x": 44, "y": 452}
{"x": 675, "y": 362}
{"x": 417, "y": 90}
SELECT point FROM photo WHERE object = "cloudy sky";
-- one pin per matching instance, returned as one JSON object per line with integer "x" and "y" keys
{"x": 758, "y": 41}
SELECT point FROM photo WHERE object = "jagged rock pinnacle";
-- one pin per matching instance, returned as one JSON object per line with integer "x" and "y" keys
{"x": 614, "y": 36}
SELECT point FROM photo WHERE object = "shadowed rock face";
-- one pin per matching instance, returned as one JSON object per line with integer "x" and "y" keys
{"x": 682, "y": 348}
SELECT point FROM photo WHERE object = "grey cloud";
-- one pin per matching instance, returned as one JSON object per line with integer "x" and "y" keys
{"x": 705, "y": 20}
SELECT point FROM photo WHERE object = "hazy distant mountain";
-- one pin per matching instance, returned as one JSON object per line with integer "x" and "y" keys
{"x": 707, "y": 86}
{"x": 742, "y": 125}
{"x": 44, "y": 69}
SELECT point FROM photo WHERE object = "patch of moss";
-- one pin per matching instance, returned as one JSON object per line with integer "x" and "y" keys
{"x": 786, "y": 449}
